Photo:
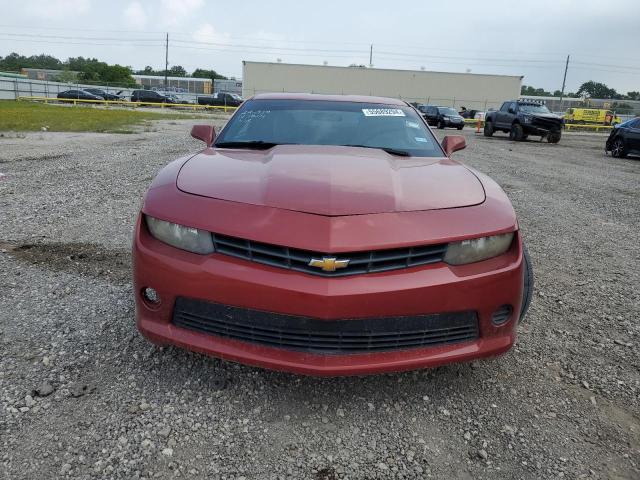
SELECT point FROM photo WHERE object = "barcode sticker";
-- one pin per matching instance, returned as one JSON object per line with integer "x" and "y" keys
{"x": 383, "y": 112}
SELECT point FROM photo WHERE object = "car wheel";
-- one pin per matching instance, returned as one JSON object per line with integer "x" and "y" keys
{"x": 488, "y": 128}
{"x": 527, "y": 291}
{"x": 516, "y": 133}
{"x": 441, "y": 125}
{"x": 525, "y": 136}
{"x": 617, "y": 150}
{"x": 461, "y": 127}
{"x": 554, "y": 137}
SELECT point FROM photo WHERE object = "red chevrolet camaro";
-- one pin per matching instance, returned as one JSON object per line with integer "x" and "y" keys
{"x": 329, "y": 235}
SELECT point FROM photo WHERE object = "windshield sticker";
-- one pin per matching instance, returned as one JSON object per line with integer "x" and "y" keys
{"x": 421, "y": 139}
{"x": 249, "y": 115}
{"x": 383, "y": 112}
{"x": 412, "y": 124}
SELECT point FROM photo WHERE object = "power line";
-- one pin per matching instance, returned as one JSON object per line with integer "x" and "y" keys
{"x": 66, "y": 37}
{"x": 49, "y": 42}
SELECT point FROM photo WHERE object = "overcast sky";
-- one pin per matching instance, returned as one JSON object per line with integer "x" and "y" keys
{"x": 482, "y": 36}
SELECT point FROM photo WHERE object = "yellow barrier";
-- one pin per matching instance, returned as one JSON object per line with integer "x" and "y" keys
{"x": 597, "y": 128}
{"x": 125, "y": 103}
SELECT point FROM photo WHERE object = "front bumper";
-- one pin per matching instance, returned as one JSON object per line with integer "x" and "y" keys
{"x": 454, "y": 123}
{"x": 432, "y": 289}
{"x": 545, "y": 128}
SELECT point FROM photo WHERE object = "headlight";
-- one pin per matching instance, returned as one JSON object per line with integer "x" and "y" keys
{"x": 179, "y": 236}
{"x": 477, "y": 249}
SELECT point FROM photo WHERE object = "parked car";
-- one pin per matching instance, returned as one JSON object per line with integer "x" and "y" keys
{"x": 101, "y": 93}
{"x": 149, "y": 96}
{"x": 521, "y": 118}
{"x": 330, "y": 236}
{"x": 221, "y": 99}
{"x": 624, "y": 139}
{"x": 595, "y": 116}
{"x": 442, "y": 116}
{"x": 78, "y": 95}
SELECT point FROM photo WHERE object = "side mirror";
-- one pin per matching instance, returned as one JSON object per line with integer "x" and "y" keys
{"x": 206, "y": 133}
{"x": 512, "y": 110}
{"x": 453, "y": 143}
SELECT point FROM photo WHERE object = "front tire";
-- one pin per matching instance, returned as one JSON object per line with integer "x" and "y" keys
{"x": 554, "y": 137}
{"x": 618, "y": 150}
{"x": 461, "y": 127}
{"x": 441, "y": 125}
{"x": 516, "y": 133}
{"x": 527, "y": 291}
{"x": 488, "y": 128}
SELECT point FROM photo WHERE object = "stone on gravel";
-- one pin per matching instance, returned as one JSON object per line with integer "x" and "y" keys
{"x": 44, "y": 389}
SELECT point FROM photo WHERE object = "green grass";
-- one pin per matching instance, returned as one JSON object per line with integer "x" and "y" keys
{"x": 28, "y": 116}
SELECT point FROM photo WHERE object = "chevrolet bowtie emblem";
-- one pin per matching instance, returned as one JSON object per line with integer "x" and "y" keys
{"x": 328, "y": 264}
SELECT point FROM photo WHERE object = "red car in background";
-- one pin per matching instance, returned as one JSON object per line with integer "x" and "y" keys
{"x": 329, "y": 235}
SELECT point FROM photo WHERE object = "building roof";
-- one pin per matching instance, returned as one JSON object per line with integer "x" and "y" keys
{"x": 161, "y": 77}
{"x": 333, "y": 98}
{"x": 374, "y": 69}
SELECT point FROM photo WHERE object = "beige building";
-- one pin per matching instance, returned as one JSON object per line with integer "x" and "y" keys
{"x": 474, "y": 91}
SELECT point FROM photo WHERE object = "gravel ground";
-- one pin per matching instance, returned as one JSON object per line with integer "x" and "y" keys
{"x": 82, "y": 395}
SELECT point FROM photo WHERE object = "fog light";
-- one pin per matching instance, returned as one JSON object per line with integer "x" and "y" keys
{"x": 502, "y": 315}
{"x": 151, "y": 296}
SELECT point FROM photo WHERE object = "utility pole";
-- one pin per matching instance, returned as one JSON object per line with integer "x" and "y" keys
{"x": 371, "y": 56}
{"x": 166, "y": 61}
{"x": 564, "y": 81}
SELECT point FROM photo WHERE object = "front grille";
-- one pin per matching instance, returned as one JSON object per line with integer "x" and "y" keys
{"x": 546, "y": 123}
{"x": 324, "y": 336}
{"x": 298, "y": 260}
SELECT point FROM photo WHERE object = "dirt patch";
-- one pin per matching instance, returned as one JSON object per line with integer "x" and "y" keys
{"x": 84, "y": 258}
{"x": 326, "y": 474}
{"x": 36, "y": 158}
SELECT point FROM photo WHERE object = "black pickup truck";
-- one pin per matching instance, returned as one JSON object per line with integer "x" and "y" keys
{"x": 521, "y": 118}
{"x": 223, "y": 99}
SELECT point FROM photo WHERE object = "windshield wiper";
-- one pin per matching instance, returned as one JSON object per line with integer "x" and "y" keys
{"x": 391, "y": 151}
{"x": 254, "y": 144}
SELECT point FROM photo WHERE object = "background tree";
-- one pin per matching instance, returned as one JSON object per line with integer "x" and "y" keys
{"x": 633, "y": 95}
{"x": 529, "y": 90}
{"x": 14, "y": 62}
{"x": 177, "y": 71}
{"x": 91, "y": 70}
{"x": 145, "y": 71}
{"x": 212, "y": 74}
{"x": 593, "y": 89}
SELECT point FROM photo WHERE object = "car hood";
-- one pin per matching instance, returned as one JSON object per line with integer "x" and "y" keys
{"x": 330, "y": 180}
{"x": 548, "y": 116}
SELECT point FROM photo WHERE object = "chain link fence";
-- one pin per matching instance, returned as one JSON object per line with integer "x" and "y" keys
{"x": 11, "y": 88}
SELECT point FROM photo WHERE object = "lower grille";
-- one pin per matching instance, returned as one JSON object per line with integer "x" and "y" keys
{"x": 324, "y": 336}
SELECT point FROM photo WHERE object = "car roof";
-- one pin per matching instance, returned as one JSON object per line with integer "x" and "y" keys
{"x": 331, "y": 98}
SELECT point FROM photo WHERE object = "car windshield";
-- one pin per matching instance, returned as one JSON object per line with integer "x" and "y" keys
{"x": 447, "y": 111}
{"x": 263, "y": 123}
{"x": 533, "y": 108}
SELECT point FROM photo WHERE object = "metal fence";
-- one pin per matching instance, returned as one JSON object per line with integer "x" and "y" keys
{"x": 12, "y": 88}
